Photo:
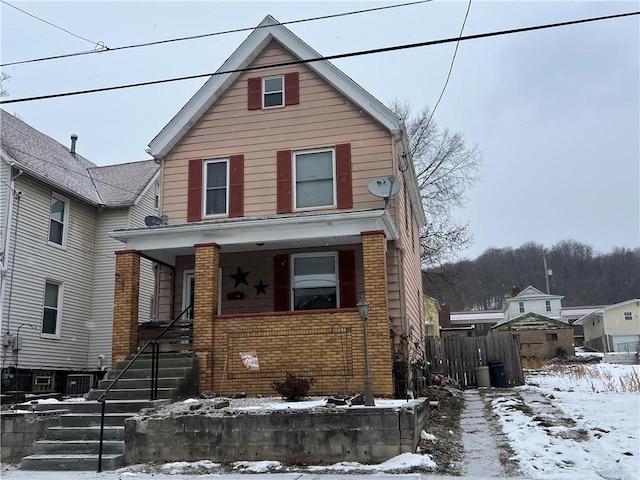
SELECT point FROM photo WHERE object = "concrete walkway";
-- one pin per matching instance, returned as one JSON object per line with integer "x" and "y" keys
{"x": 480, "y": 446}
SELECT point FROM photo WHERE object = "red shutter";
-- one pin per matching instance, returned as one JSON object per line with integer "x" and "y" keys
{"x": 343, "y": 174}
{"x": 254, "y": 93}
{"x": 291, "y": 88}
{"x": 236, "y": 186}
{"x": 194, "y": 191}
{"x": 281, "y": 283}
{"x": 284, "y": 181}
{"x": 347, "y": 266}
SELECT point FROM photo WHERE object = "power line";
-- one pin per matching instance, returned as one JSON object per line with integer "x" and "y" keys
{"x": 328, "y": 57}
{"x": 453, "y": 59}
{"x": 204, "y": 35}
{"x": 97, "y": 44}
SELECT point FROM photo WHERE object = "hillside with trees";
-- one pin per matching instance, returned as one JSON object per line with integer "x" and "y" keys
{"x": 583, "y": 276}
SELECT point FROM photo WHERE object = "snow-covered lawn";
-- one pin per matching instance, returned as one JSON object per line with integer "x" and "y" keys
{"x": 576, "y": 422}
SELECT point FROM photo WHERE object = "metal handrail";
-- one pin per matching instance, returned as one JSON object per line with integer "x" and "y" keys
{"x": 155, "y": 357}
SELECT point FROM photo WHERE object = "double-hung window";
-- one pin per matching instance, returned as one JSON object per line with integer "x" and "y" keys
{"x": 547, "y": 305}
{"x": 273, "y": 91}
{"x": 315, "y": 281}
{"x": 51, "y": 309}
{"x": 216, "y": 180}
{"x": 58, "y": 219}
{"x": 628, "y": 315}
{"x": 314, "y": 173}
{"x": 521, "y": 307}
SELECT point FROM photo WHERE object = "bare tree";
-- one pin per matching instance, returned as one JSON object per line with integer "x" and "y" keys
{"x": 4, "y": 77}
{"x": 446, "y": 168}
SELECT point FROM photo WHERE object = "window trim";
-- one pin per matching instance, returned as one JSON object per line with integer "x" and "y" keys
{"x": 65, "y": 220}
{"x": 521, "y": 307}
{"x": 59, "y": 301}
{"x": 205, "y": 163}
{"x": 294, "y": 176}
{"x": 630, "y": 316}
{"x": 292, "y": 276}
{"x": 265, "y": 93}
{"x": 547, "y": 305}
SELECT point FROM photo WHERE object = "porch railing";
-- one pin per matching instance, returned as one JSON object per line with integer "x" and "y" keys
{"x": 155, "y": 360}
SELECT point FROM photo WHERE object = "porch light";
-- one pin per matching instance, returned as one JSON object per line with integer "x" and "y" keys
{"x": 363, "y": 310}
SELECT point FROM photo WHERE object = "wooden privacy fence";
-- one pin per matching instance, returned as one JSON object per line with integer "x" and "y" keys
{"x": 458, "y": 357}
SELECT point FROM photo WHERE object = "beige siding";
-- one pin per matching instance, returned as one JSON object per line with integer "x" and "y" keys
{"x": 615, "y": 324}
{"x": 323, "y": 118}
{"x": 36, "y": 262}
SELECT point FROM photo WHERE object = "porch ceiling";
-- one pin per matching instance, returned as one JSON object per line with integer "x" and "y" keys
{"x": 304, "y": 230}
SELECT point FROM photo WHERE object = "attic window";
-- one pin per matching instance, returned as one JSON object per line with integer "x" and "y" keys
{"x": 547, "y": 305}
{"x": 628, "y": 316}
{"x": 521, "y": 307}
{"x": 273, "y": 88}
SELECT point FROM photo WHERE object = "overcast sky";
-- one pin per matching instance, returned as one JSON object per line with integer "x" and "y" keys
{"x": 555, "y": 112}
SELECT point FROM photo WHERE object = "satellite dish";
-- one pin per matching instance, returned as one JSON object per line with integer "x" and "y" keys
{"x": 385, "y": 187}
{"x": 153, "y": 221}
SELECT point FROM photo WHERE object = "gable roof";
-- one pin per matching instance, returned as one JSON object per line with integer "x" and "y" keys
{"x": 600, "y": 312}
{"x": 530, "y": 321}
{"x": 531, "y": 293}
{"x": 269, "y": 29}
{"x": 42, "y": 157}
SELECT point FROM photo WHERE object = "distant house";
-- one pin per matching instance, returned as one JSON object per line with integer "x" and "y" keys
{"x": 532, "y": 300}
{"x": 58, "y": 275}
{"x": 539, "y": 336}
{"x": 615, "y": 328}
{"x": 273, "y": 234}
{"x": 431, "y": 316}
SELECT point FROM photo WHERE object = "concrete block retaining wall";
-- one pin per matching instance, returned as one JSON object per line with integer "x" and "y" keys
{"x": 21, "y": 430}
{"x": 326, "y": 435}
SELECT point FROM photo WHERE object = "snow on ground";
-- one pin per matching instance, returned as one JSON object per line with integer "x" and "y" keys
{"x": 572, "y": 422}
{"x": 575, "y": 421}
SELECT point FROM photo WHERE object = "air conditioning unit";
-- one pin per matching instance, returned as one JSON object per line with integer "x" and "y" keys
{"x": 79, "y": 384}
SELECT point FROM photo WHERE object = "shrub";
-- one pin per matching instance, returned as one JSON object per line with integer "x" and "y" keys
{"x": 292, "y": 387}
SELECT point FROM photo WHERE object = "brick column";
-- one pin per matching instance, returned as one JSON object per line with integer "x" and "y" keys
{"x": 205, "y": 307}
{"x": 125, "y": 306}
{"x": 374, "y": 253}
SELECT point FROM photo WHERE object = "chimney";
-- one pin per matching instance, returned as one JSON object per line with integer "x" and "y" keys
{"x": 444, "y": 316}
{"x": 74, "y": 139}
{"x": 515, "y": 291}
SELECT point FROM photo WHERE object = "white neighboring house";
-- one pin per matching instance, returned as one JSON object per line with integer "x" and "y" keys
{"x": 57, "y": 261}
{"x": 615, "y": 328}
{"x": 532, "y": 300}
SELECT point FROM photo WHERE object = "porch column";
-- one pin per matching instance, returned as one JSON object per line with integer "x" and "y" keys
{"x": 374, "y": 253}
{"x": 125, "y": 306}
{"x": 205, "y": 306}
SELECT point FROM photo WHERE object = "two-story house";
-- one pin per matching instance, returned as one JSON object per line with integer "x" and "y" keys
{"x": 57, "y": 262}
{"x": 532, "y": 300}
{"x": 615, "y": 328}
{"x": 273, "y": 234}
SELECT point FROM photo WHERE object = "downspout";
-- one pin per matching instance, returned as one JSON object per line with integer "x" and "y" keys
{"x": 7, "y": 245}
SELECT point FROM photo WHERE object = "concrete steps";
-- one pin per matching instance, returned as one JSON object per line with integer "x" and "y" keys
{"x": 621, "y": 358}
{"x": 74, "y": 445}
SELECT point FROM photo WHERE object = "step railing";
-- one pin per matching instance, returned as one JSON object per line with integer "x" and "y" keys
{"x": 155, "y": 361}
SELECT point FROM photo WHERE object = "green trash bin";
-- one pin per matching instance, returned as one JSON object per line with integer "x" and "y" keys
{"x": 496, "y": 372}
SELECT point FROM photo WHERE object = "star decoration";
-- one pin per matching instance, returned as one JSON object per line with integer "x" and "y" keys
{"x": 240, "y": 277}
{"x": 261, "y": 288}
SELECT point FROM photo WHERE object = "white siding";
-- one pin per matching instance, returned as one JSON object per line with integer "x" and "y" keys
{"x": 104, "y": 277}
{"x": 36, "y": 262}
{"x": 137, "y": 214}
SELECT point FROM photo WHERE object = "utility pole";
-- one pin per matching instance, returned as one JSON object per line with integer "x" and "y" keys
{"x": 547, "y": 272}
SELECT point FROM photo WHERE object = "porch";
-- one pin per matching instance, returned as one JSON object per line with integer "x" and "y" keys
{"x": 290, "y": 302}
